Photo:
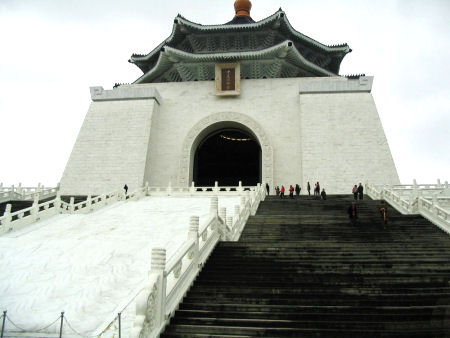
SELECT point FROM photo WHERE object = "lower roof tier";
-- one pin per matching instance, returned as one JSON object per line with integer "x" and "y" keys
{"x": 280, "y": 61}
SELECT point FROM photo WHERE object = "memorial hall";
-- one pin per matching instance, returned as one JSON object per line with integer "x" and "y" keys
{"x": 249, "y": 101}
{"x": 167, "y": 221}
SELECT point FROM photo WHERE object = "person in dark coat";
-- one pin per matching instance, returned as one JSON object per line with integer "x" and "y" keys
{"x": 297, "y": 189}
{"x": 308, "y": 187}
{"x": 277, "y": 190}
{"x": 323, "y": 195}
{"x": 291, "y": 191}
{"x": 355, "y": 192}
{"x": 267, "y": 188}
{"x": 360, "y": 191}
{"x": 352, "y": 213}
{"x": 125, "y": 187}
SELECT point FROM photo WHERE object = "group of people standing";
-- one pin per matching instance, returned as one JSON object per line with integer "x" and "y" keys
{"x": 357, "y": 191}
{"x": 281, "y": 191}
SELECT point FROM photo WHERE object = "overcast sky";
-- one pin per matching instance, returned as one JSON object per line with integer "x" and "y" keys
{"x": 52, "y": 51}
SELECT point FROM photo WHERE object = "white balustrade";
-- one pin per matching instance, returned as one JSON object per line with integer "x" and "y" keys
{"x": 429, "y": 200}
{"x": 168, "y": 283}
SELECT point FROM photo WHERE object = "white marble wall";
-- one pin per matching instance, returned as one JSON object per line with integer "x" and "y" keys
{"x": 310, "y": 129}
{"x": 111, "y": 148}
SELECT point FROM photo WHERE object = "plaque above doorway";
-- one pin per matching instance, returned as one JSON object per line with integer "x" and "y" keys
{"x": 228, "y": 79}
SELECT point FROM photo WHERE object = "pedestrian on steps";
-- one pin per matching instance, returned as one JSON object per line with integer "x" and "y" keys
{"x": 267, "y": 188}
{"x": 352, "y": 213}
{"x": 360, "y": 191}
{"x": 277, "y": 190}
{"x": 282, "y": 192}
{"x": 125, "y": 187}
{"x": 355, "y": 192}
{"x": 383, "y": 213}
{"x": 308, "y": 187}
{"x": 291, "y": 192}
{"x": 297, "y": 189}
{"x": 323, "y": 195}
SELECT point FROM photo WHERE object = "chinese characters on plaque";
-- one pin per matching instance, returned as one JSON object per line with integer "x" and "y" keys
{"x": 228, "y": 76}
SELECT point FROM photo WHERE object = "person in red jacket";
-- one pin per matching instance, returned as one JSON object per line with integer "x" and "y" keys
{"x": 282, "y": 192}
{"x": 291, "y": 191}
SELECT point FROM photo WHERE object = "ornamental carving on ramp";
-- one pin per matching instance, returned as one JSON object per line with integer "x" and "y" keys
{"x": 188, "y": 151}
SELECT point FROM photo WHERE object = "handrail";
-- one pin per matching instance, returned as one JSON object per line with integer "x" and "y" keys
{"x": 417, "y": 202}
{"x": 169, "y": 281}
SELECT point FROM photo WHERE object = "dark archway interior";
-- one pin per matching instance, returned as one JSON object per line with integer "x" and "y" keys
{"x": 227, "y": 156}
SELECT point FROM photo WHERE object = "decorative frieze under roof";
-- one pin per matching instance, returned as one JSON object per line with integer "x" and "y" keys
{"x": 269, "y": 48}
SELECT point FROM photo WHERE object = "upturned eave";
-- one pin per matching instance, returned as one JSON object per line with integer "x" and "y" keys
{"x": 284, "y": 51}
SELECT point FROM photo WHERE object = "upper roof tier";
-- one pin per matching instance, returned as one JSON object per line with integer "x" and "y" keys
{"x": 190, "y": 52}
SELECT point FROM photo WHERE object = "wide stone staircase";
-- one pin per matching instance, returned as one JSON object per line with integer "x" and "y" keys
{"x": 301, "y": 269}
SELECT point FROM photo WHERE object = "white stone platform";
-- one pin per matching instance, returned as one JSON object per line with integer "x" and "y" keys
{"x": 91, "y": 266}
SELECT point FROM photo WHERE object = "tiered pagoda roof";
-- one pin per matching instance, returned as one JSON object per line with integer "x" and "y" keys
{"x": 270, "y": 48}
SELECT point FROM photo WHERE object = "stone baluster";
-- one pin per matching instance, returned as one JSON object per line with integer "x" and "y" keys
{"x": 439, "y": 183}
{"x": 19, "y": 189}
{"x": 169, "y": 189}
{"x": 446, "y": 184}
{"x": 158, "y": 265}
{"x": 147, "y": 192}
{"x": 214, "y": 205}
{"x": 7, "y": 219}
{"x": 192, "y": 188}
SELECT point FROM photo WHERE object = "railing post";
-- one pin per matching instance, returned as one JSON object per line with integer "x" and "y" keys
{"x": 193, "y": 234}
{"x": 216, "y": 187}
{"x": 35, "y": 209}
{"x": 57, "y": 203}
{"x": 192, "y": 188}
{"x": 439, "y": 183}
{"x": 72, "y": 203}
{"x": 223, "y": 223}
{"x": 214, "y": 205}
{"x": 7, "y": 222}
{"x": 446, "y": 184}
{"x": 61, "y": 325}
{"x": 240, "y": 189}
{"x": 3, "y": 324}
{"x": 89, "y": 202}
{"x": 158, "y": 266}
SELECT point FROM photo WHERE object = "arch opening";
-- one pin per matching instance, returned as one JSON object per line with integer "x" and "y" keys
{"x": 227, "y": 155}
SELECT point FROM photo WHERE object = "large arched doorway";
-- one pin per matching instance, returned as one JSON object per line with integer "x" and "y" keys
{"x": 227, "y": 155}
